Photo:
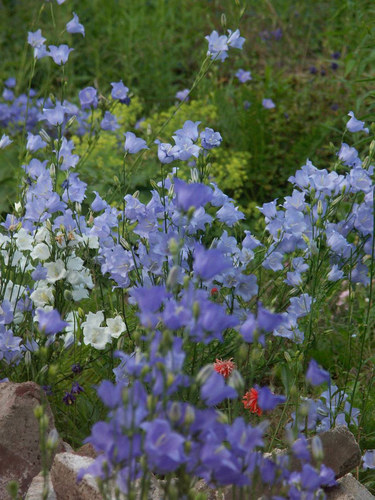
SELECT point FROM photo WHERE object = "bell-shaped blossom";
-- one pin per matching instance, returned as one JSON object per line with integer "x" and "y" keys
{"x": 74, "y": 26}
{"x": 243, "y": 76}
{"x": 60, "y": 54}
{"x": 119, "y": 91}
{"x": 50, "y": 322}
{"x": 134, "y": 144}
{"x": 355, "y": 125}
{"x": 191, "y": 195}
{"x": 88, "y": 98}
{"x": 316, "y": 375}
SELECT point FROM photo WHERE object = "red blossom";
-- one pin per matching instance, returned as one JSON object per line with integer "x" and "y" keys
{"x": 225, "y": 368}
{"x": 250, "y": 401}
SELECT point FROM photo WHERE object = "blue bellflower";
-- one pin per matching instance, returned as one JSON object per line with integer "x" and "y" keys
{"x": 74, "y": 26}
{"x": 134, "y": 144}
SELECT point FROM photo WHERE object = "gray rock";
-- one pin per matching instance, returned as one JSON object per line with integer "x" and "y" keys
{"x": 35, "y": 491}
{"x": 20, "y": 458}
{"x": 348, "y": 488}
{"x": 341, "y": 450}
{"x": 65, "y": 469}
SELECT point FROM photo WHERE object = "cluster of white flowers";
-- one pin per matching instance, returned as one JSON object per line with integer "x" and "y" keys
{"x": 98, "y": 336}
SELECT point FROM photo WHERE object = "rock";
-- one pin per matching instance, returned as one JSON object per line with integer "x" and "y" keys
{"x": 64, "y": 473}
{"x": 87, "y": 450}
{"x": 35, "y": 491}
{"x": 64, "y": 446}
{"x": 341, "y": 450}
{"x": 19, "y": 434}
{"x": 348, "y": 488}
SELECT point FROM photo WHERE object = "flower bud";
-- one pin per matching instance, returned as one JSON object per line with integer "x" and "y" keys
{"x": 320, "y": 207}
{"x": 28, "y": 358}
{"x": 173, "y": 246}
{"x": 52, "y": 170}
{"x": 223, "y": 20}
{"x": 189, "y": 415}
{"x": 68, "y": 295}
{"x": 236, "y": 381}
{"x": 194, "y": 175}
{"x": 317, "y": 448}
{"x": 174, "y": 412}
{"x": 172, "y": 277}
{"x": 124, "y": 244}
{"x": 52, "y": 439}
{"x": 38, "y": 411}
{"x": 43, "y": 134}
{"x": 287, "y": 356}
{"x": 71, "y": 120}
{"x": 204, "y": 373}
{"x": 196, "y": 310}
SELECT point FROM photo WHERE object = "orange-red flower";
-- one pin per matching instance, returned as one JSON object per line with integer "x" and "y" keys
{"x": 225, "y": 368}
{"x": 250, "y": 401}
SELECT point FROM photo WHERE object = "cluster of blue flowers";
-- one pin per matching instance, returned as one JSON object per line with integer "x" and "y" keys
{"x": 189, "y": 277}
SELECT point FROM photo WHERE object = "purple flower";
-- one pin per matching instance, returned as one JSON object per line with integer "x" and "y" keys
{"x": 235, "y": 40}
{"x": 183, "y": 95}
{"x": 76, "y": 368}
{"x": 189, "y": 130}
{"x": 34, "y": 142}
{"x": 210, "y": 139}
{"x": 268, "y": 104}
{"x": 74, "y": 26}
{"x": 5, "y": 141}
{"x": 35, "y": 39}
{"x": 134, "y": 144}
{"x": 119, "y": 91}
{"x": 243, "y": 76}
{"x": 149, "y": 299}
{"x": 217, "y": 46}
{"x": 54, "y": 116}
{"x": 69, "y": 398}
{"x": 191, "y": 195}
{"x": 88, "y": 98}
{"x": 300, "y": 449}
{"x": 369, "y": 459}
{"x": 316, "y": 375}
{"x": 310, "y": 479}
{"x": 166, "y": 152}
{"x": 355, "y": 125}
{"x": 76, "y": 388}
{"x": 267, "y": 400}
{"x": 59, "y": 54}
{"x": 184, "y": 148}
{"x": 109, "y": 122}
{"x": 50, "y": 322}
{"x": 164, "y": 447}
{"x": 10, "y": 82}
{"x": 209, "y": 263}
{"x": 214, "y": 390}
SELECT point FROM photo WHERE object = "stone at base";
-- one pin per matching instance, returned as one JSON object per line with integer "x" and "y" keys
{"x": 20, "y": 458}
{"x": 65, "y": 469}
{"x": 348, "y": 488}
{"x": 35, "y": 491}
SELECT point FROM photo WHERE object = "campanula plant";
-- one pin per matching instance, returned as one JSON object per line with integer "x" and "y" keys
{"x": 203, "y": 340}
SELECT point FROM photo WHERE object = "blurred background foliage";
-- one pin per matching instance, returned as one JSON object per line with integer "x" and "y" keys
{"x": 315, "y": 60}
